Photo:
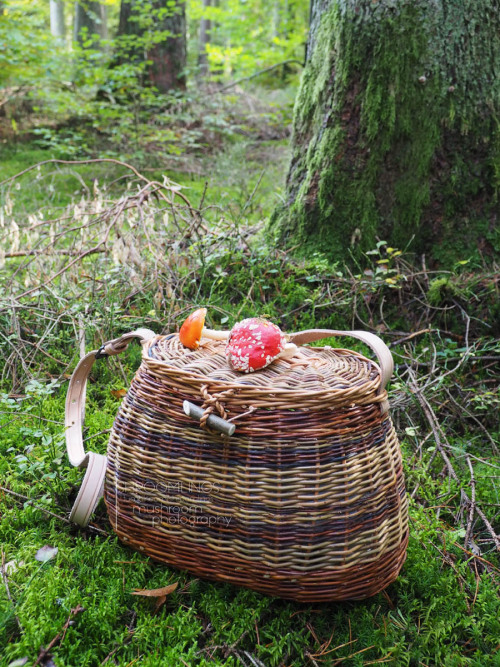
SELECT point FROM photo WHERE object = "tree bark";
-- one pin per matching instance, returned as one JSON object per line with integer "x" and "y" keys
{"x": 204, "y": 39}
{"x": 57, "y": 25}
{"x": 394, "y": 134}
{"x": 130, "y": 32}
{"x": 103, "y": 26}
{"x": 158, "y": 36}
{"x": 90, "y": 22}
{"x": 168, "y": 56}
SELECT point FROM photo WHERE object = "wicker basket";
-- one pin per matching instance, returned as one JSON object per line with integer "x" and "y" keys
{"x": 305, "y": 501}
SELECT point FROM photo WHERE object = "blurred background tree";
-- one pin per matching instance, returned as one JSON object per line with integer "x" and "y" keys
{"x": 155, "y": 33}
{"x": 57, "y": 22}
{"x": 90, "y": 23}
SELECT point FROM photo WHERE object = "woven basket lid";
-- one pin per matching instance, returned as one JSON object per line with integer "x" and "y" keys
{"x": 315, "y": 377}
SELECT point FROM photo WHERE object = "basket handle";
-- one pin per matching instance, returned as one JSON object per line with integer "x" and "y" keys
{"x": 382, "y": 352}
{"x": 92, "y": 486}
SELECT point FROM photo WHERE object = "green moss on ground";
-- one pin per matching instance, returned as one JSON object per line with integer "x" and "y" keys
{"x": 435, "y": 613}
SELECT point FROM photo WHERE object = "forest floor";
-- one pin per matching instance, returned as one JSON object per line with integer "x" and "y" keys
{"x": 89, "y": 251}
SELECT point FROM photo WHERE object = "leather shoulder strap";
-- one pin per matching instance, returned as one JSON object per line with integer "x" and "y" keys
{"x": 92, "y": 486}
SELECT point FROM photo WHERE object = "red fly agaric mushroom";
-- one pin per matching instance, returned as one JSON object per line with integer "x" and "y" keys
{"x": 254, "y": 343}
{"x": 193, "y": 329}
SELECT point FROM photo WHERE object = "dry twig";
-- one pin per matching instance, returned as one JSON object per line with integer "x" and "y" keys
{"x": 441, "y": 445}
{"x": 44, "y": 653}
{"x": 7, "y": 590}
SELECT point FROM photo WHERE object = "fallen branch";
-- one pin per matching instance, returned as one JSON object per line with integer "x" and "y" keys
{"x": 472, "y": 506}
{"x": 255, "y": 75}
{"x": 440, "y": 440}
{"x": 410, "y": 336}
{"x": 45, "y": 252}
{"x": 79, "y": 162}
{"x": 31, "y": 502}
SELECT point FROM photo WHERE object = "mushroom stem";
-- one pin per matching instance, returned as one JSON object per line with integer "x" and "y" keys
{"x": 214, "y": 334}
{"x": 288, "y": 351}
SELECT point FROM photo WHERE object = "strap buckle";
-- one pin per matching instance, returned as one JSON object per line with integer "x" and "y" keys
{"x": 101, "y": 353}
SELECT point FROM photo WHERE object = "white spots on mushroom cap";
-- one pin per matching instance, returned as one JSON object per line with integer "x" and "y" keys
{"x": 253, "y": 344}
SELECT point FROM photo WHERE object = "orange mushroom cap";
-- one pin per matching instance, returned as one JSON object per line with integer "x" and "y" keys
{"x": 190, "y": 333}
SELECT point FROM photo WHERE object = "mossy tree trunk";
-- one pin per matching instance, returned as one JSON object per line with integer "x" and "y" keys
{"x": 396, "y": 130}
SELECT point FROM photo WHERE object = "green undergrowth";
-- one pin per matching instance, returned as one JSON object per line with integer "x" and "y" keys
{"x": 241, "y": 181}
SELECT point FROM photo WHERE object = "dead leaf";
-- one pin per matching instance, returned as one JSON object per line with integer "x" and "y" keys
{"x": 118, "y": 393}
{"x": 46, "y": 553}
{"x": 12, "y": 566}
{"x": 159, "y": 593}
{"x": 156, "y": 592}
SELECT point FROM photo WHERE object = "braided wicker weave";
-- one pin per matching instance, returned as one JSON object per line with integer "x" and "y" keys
{"x": 305, "y": 501}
